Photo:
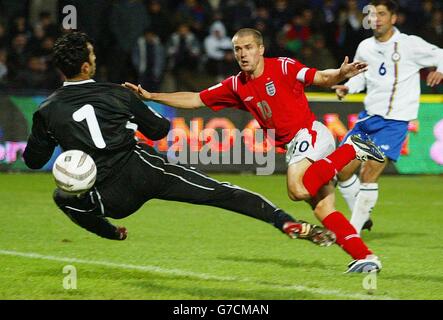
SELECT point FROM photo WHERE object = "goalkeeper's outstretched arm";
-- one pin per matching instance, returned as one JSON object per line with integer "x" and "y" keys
{"x": 182, "y": 100}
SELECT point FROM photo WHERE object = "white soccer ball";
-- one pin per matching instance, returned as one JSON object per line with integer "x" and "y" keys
{"x": 74, "y": 171}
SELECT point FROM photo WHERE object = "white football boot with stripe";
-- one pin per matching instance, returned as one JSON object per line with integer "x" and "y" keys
{"x": 369, "y": 264}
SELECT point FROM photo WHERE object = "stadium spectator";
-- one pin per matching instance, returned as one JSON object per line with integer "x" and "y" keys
{"x": 148, "y": 57}
{"x": 402, "y": 22}
{"x": 326, "y": 19}
{"x": 216, "y": 45}
{"x": 18, "y": 54}
{"x": 427, "y": 9}
{"x": 46, "y": 22}
{"x": 19, "y": 25}
{"x": 119, "y": 158}
{"x": 237, "y": 13}
{"x": 433, "y": 32}
{"x": 314, "y": 53}
{"x": 278, "y": 47}
{"x": 281, "y": 13}
{"x": 46, "y": 48}
{"x": 35, "y": 42}
{"x": 36, "y": 76}
{"x": 12, "y": 8}
{"x": 128, "y": 20}
{"x": 3, "y": 68}
{"x": 48, "y": 7}
{"x": 3, "y": 36}
{"x": 184, "y": 52}
{"x": 215, "y": 4}
{"x": 351, "y": 32}
{"x": 298, "y": 31}
{"x": 393, "y": 92}
{"x": 262, "y": 22}
{"x": 195, "y": 15}
{"x": 161, "y": 23}
{"x": 272, "y": 90}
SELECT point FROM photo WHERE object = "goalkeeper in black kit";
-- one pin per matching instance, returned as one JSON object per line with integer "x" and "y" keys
{"x": 129, "y": 173}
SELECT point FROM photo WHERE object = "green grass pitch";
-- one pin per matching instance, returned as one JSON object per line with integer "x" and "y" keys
{"x": 182, "y": 251}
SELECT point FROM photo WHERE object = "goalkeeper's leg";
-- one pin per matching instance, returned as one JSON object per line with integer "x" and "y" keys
{"x": 86, "y": 210}
{"x": 187, "y": 184}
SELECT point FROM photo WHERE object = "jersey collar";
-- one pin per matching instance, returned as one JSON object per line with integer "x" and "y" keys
{"x": 392, "y": 39}
{"x": 73, "y": 83}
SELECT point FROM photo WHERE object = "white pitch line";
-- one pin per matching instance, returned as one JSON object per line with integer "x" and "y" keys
{"x": 196, "y": 275}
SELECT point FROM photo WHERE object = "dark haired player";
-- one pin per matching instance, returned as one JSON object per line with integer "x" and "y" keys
{"x": 393, "y": 95}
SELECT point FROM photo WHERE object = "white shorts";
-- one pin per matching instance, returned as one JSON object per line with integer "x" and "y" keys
{"x": 301, "y": 146}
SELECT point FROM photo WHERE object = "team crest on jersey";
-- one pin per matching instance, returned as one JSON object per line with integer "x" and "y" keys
{"x": 396, "y": 57}
{"x": 270, "y": 88}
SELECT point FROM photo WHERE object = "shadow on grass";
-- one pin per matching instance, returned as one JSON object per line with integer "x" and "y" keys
{"x": 376, "y": 235}
{"x": 230, "y": 291}
{"x": 161, "y": 286}
{"x": 415, "y": 277}
{"x": 280, "y": 262}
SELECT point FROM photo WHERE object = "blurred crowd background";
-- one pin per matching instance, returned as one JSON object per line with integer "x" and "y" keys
{"x": 186, "y": 44}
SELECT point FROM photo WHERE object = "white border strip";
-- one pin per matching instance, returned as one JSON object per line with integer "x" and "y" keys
{"x": 199, "y": 276}
{"x": 171, "y": 174}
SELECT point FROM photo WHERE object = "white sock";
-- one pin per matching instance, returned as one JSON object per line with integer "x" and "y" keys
{"x": 349, "y": 190}
{"x": 365, "y": 202}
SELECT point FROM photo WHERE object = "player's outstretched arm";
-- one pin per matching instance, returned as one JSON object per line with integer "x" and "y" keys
{"x": 98, "y": 225}
{"x": 182, "y": 100}
{"x": 330, "y": 77}
{"x": 40, "y": 146}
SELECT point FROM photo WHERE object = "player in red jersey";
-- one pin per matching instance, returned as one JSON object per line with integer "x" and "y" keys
{"x": 272, "y": 90}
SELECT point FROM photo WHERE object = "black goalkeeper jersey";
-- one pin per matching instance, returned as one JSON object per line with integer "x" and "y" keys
{"x": 97, "y": 118}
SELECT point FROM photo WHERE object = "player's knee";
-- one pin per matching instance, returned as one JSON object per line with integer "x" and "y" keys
{"x": 297, "y": 194}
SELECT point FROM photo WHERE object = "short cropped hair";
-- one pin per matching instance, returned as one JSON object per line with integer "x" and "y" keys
{"x": 391, "y": 5}
{"x": 250, "y": 32}
{"x": 70, "y": 52}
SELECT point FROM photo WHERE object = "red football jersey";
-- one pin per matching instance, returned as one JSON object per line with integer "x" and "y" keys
{"x": 276, "y": 98}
